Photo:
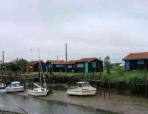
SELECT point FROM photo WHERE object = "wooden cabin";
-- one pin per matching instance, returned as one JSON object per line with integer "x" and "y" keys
{"x": 33, "y": 66}
{"x": 83, "y": 65}
{"x": 56, "y": 65}
{"x": 89, "y": 65}
{"x": 136, "y": 61}
{"x": 71, "y": 65}
{"x": 5, "y": 65}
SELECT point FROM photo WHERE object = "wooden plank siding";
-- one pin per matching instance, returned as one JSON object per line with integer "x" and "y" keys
{"x": 82, "y": 65}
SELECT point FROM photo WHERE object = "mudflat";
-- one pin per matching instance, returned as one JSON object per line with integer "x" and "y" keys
{"x": 116, "y": 103}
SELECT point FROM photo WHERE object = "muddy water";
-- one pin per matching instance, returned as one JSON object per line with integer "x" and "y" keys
{"x": 36, "y": 106}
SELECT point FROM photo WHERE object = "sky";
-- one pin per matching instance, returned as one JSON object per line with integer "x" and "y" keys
{"x": 91, "y": 28}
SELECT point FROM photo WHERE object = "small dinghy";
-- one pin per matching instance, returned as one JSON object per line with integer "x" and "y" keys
{"x": 39, "y": 91}
{"x": 83, "y": 89}
{"x": 2, "y": 86}
{"x": 15, "y": 87}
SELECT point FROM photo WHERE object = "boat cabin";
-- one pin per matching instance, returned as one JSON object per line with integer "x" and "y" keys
{"x": 15, "y": 84}
{"x": 83, "y": 84}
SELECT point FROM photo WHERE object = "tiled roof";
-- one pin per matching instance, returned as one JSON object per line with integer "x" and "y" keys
{"x": 57, "y": 61}
{"x": 6, "y": 63}
{"x": 142, "y": 55}
{"x": 85, "y": 59}
{"x": 34, "y": 62}
{"x": 72, "y": 62}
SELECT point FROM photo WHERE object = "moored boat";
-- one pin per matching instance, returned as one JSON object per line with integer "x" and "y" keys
{"x": 15, "y": 87}
{"x": 2, "y": 86}
{"x": 83, "y": 89}
{"x": 39, "y": 91}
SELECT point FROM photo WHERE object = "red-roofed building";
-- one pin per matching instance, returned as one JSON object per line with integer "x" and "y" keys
{"x": 34, "y": 66}
{"x": 5, "y": 65}
{"x": 57, "y": 65}
{"x": 71, "y": 65}
{"x": 82, "y": 65}
{"x": 89, "y": 65}
{"x": 136, "y": 61}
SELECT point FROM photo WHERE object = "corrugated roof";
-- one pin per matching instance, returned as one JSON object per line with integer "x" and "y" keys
{"x": 142, "y": 55}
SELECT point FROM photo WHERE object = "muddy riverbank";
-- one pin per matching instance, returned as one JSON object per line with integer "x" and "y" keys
{"x": 30, "y": 105}
{"x": 8, "y": 110}
{"x": 117, "y": 103}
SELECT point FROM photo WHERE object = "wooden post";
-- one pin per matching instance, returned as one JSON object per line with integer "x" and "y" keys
{"x": 101, "y": 87}
{"x": 104, "y": 90}
{"x": 109, "y": 89}
{"x": 145, "y": 82}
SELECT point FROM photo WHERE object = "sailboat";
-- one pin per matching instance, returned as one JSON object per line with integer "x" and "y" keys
{"x": 39, "y": 90}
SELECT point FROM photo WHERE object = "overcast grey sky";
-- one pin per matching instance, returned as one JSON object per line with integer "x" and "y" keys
{"x": 92, "y": 28}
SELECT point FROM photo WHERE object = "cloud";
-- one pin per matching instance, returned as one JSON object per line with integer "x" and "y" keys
{"x": 91, "y": 28}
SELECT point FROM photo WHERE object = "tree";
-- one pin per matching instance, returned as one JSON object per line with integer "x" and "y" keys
{"x": 18, "y": 65}
{"x": 120, "y": 71}
{"x": 107, "y": 64}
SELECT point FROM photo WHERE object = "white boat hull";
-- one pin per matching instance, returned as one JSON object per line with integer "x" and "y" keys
{"x": 81, "y": 92}
{"x": 14, "y": 89}
{"x": 83, "y": 89}
{"x": 37, "y": 94}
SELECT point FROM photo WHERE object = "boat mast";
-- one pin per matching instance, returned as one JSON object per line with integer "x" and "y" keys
{"x": 41, "y": 70}
{"x": 39, "y": 67}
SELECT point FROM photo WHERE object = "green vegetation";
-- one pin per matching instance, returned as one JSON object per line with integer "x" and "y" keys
{"x": 128, "y": 77}
{"x": 18, "y": 65}
{"x": 107, "y": 64}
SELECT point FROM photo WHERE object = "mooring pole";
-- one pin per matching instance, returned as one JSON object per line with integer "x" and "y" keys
{"x": 145, "y": 81}
{"x": 109, "y": 88}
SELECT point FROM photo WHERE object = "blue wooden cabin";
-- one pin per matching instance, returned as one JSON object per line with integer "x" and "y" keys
{"x": 136, "y": 61}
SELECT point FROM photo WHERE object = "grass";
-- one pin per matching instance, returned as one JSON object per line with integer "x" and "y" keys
{"x": 127, "y": 76}
{"x": 114, "y": 76}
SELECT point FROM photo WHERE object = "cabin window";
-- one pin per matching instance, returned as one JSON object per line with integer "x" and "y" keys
{"x": 69, "y": 66}
{"x": 94, "y": 64}
{"x": 140, "y": 62}
{"x": 80, "y": 65}
{"x": 59, "y": 65}
{"x": 50, "y": 66}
